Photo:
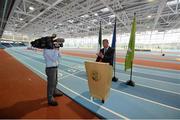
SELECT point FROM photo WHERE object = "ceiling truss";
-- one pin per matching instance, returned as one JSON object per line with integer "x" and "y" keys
{"x": 75, "y": 18}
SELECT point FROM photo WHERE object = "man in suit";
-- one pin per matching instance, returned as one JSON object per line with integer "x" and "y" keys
{"x": 106, "y": 54}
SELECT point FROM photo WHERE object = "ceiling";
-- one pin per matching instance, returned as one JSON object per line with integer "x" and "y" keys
{"x": 5, "y": 10}
{"x": 77, "y": 18}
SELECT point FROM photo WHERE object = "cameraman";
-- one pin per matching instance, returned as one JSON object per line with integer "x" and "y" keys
{"x": 51, "y": 57}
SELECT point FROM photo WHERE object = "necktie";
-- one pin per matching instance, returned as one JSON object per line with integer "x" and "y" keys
{"x": 105, "y": 50}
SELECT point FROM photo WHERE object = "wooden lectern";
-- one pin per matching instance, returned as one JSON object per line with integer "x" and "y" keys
{"x": 99, "y": 79}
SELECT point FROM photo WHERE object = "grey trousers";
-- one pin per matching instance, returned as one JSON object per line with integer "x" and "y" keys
{"x": 52, "y": 76}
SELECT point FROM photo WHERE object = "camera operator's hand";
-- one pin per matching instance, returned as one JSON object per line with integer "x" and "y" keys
{"x": 56, "y": 45}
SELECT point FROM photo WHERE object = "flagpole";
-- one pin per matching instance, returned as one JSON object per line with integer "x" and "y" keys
{"x": 114, "y": 64}
{"x": 131, "y": 71}
{"x": 100, "y": 38}
{"x": 130, "y": 82}
{"x": 114, "y": 79}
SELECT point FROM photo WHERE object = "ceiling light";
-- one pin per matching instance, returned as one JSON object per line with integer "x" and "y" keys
{"x": 174, "y": 2}
{"x": 31, "y": 8}
{"x": 150, "y": 0}
{"x": 149, "y": 16}
{"x": 71, "y": 21}
{"x": 94, "y": 20}
{"x": 105, "y": 9}
{"x": 85, "y": 16}
{"x": 112, "y": 16}
{"x": 95, "y": 14}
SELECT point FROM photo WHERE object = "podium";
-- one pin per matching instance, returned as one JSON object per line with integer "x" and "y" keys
{"x": 99, "y": 79}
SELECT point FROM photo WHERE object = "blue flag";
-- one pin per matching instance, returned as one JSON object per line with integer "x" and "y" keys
{"x": 113, "y": 45}
{"x": 100, "y": 37}
{"x": 114, "y": 36}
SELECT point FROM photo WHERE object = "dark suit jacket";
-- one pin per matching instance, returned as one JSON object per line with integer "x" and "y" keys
{"x": 108, "y": 56}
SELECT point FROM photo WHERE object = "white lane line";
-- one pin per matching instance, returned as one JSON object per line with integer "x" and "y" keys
{"x": 61, "y": 76}
{"x": 68, "y": 75}
{"x": 164, "y": 105}
{"x": 107, "y": 109}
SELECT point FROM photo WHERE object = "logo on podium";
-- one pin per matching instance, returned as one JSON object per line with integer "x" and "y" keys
{"x": 95, "y": 75}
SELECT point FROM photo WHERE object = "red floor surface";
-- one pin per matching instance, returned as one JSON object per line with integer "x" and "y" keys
{"x": 23, "y": 95}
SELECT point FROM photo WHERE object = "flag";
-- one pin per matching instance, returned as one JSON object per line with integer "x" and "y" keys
{"x": 113, "y": 45}
{"x": 100, "y": 37}
{"x": 114, "y": 36}
{"x": 131, "y": 46}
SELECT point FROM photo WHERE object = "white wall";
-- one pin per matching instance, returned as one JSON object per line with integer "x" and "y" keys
{"x": 143, "y": 40}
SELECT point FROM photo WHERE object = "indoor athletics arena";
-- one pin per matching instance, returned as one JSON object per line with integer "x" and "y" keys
{"x": 90, "y": 59}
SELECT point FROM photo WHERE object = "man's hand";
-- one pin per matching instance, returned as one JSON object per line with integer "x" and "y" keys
{"x": 100, "y": 54}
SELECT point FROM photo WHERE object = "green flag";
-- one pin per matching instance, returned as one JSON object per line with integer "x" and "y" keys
{"x": 130, "y": 51}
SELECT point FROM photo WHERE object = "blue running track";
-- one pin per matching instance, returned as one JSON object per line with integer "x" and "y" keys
{"x": 155, "y": 96}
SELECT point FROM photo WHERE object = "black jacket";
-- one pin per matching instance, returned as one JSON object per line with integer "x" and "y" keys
{"x": 108, "y": 56}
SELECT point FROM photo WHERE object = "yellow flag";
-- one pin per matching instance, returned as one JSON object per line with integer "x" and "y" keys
{"x": 131, "y": 46}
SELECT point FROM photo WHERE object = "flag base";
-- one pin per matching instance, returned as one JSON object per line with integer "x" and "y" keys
{"x": 163, "y": 54}
{"x": 130, "y": 83}
{"x": 114, "y": 79}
